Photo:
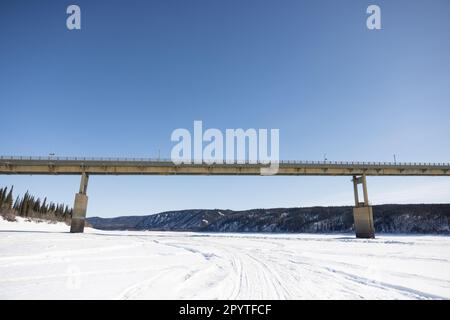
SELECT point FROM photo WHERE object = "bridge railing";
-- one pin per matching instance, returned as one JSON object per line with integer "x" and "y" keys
{"x": 159, "y": 160}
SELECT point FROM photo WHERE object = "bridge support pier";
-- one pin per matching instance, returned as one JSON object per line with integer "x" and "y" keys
{"x": 362, "y": 212}
{"x": 80, "y": 206}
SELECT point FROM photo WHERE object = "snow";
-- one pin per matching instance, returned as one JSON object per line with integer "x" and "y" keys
{"x": 45, "y": 261}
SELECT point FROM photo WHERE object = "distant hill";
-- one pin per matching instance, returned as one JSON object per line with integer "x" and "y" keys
{"x": 412, "y": 218}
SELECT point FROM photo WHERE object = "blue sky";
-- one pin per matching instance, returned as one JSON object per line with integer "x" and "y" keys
{"x": 140, "y": 69}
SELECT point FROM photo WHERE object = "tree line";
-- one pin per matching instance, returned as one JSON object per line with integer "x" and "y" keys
{"x": 29, "y": 206}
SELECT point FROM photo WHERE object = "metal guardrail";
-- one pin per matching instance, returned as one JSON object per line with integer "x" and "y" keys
{"x": 156, "y": 160}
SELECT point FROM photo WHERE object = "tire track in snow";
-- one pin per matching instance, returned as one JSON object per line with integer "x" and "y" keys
{"x": 208, "y": 266}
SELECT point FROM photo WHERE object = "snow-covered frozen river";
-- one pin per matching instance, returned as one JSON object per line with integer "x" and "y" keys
{"x": 41, "y": 261}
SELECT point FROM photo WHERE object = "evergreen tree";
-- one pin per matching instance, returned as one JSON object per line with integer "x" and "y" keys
{"x": 30, "y": 206}
{"x": 16, "y": 204}
{"x": 1, "y": 197}
{"x": 44, "y": 206}
{"x": 9, "y": 199}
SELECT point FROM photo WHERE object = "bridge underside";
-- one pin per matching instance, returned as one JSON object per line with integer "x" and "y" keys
{"x": 362, "y": 212}
{"x": 98, "y": 166}
{"x": 322, "y": 169}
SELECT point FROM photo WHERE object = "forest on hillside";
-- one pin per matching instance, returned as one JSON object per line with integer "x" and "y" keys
{"x": 31, "y": 207}
{"x": 389, "y": 218}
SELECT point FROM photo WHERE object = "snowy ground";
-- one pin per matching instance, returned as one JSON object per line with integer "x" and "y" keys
{"x": 42, "y": 261}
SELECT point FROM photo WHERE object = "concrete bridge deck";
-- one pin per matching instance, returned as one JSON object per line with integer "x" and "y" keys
{"x": 141, "y": 166}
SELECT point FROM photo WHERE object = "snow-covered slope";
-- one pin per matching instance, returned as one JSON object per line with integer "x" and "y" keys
{"x": 44, "y": 261}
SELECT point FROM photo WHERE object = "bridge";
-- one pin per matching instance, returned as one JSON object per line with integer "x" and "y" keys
{"x": 362, "y": 212}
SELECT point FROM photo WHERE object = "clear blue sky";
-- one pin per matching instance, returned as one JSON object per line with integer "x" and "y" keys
{"x": 139, "y": 69}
